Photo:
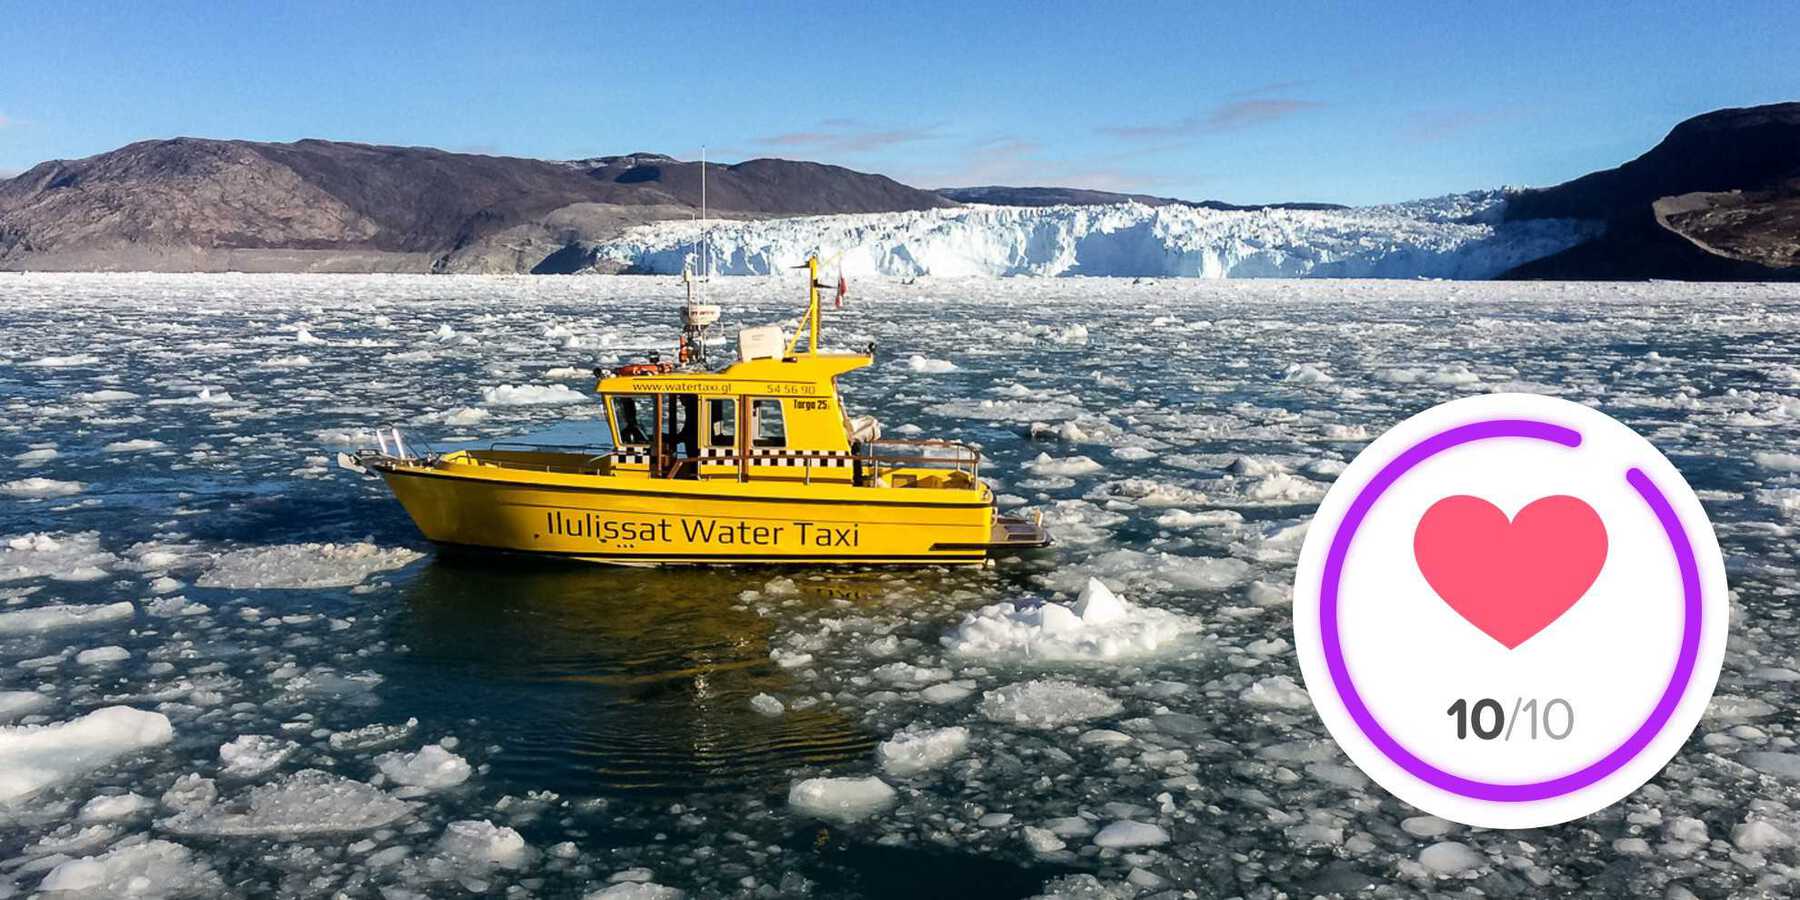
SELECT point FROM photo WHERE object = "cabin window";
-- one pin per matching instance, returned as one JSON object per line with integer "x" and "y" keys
{"x": 721, "y": 422}
{"x": 630, "y": 413}
{"x": 768, "y": 429}
{"x": 681, "y": 427}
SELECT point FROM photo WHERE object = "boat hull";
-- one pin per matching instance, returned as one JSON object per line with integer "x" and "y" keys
{"x": 695, "y": 523}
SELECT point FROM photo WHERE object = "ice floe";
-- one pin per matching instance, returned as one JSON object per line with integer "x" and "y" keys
{"x": 304, "y": 565}
{"x": 1047, "y": 704}
{"x": 34, "y": 757}
{"x": 841, "y": 799}
{"x": 1098, "y": 628}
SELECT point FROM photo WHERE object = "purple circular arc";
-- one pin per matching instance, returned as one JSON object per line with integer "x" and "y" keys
{"x": 1406, "y": 759}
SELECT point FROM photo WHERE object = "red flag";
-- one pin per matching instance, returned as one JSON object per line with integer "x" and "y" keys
{"x": 843, "y": 289}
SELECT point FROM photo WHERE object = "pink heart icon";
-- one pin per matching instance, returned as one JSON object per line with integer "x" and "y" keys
{"x": 1510, "y": 579}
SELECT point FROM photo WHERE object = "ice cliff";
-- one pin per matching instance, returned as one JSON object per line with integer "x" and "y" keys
{"x": 1456, "y": 236}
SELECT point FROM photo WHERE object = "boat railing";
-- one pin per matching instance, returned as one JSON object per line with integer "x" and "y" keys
{"x": 877, "y": 458}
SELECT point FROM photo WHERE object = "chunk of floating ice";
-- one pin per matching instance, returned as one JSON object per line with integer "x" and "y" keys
{"x": 100, "y": 656}
{"x": 432, "y": 768}
{"x": 1047, "y": 465}
{"x": 1754, "y": 836}
{"x": 135, "y": 445}
{"x": 153, "y": 868}
{"x": 465, "y": 415}
{"x": 113, "y": 807}
{"x": 942, "y": 694}
{"x": 304, "y": 803}
{"x": 767, "y": 705}
{"x": 35, "y": 757}
{"x": 1278, "y": 691}
{"x": 41, "y": 488}
{"x": 373, "y": 737}
{"x": 64, "y": 557}
{"x": 1781, "y": 765}
{"x": 919, "y": 363}
{"x": 1182, "y": 519}
{"x": 530, "y": 395}
{"x": 14, "y": 704}
{"x": 1098, "y": 605}
{"x": 1779, "y": 462}
{"x": 1042, "y": 840}
{"x": 53, "y": 618}
{"x": 252, "y": 755}
{"x": 914, "y": 750}
{"x": 107, "y": 396}
{"x": 34, "y": 457}
{"x": 1099, "y": 628}
{"x": 484, "y": 844}
{"x": 1128, "y": 833}
{"x": 841, "y": 799}
{"x": 1305, "y": 373}
{"x": 304, "y": 565}
{"x": 1451, "y": 858}
{"x": 636, "y": 890}
{"x": 59, "y": 362}
{"x": 1047, "y": 704}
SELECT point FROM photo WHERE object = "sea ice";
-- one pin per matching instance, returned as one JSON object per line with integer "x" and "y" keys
{"x": 841, "y": 799}
{"x": 55, "y": 618}
{"x": 135, "y": 445}
{"x": 1046, "y": 465}
{"x": 1278, "y": 691}
{"x": 100, "y": 656}
{"x": 484, "y": 844}
{"x": 64, "y": 557}
{"x": 113, "y": 807}
{"x": 919, "y": 363}
{"x": 635, "y": 890}
{"x": 41, "y": 488}
{"x": 1449, "y": 858}
{"x": 308, "y": 802}
{"x": 14, "y": 704}
{"x": 152, "y": 869}
{"x": 531, "y": 395}
{"x": 304, "y": 565}
{"x": 432, "y": 768}
{"x": 34, "y": 757}
{"x": 253, "y": 755}
{"x": 1099, "y": 628}
{"x": 914, "y": 750}
{"x": 1047, "y": 704}
{"x": 1128, "y": 833}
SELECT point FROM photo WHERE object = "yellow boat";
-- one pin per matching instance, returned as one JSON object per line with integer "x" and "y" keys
{"x": 755, "y": 462}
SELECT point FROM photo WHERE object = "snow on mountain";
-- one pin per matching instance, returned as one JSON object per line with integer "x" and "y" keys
{"x": 1456, "y": 236}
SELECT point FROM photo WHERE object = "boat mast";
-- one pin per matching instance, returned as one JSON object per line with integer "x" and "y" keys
{"x": 705, "y": 226}
{"x": 811, "y": 318}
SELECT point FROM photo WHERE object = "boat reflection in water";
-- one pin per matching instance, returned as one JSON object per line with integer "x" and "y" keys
{"x": 604, "y": 680}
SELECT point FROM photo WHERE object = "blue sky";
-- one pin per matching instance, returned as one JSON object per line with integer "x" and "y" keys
{"x": 1346, "y": 102}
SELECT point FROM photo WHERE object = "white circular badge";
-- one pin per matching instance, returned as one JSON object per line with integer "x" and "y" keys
{"x": 1510, "y": 611}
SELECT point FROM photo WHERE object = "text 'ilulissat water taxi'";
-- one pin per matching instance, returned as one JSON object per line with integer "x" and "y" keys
{"x": 755, "y": 462}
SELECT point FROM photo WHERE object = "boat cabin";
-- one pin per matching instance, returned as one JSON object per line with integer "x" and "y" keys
{"x": 759, "y": 418}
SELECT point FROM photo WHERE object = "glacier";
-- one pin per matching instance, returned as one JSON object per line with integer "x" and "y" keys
{"x": 1459, "y": 236}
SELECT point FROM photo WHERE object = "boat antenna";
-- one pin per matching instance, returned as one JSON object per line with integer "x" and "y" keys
{"x": 705, "y": 225}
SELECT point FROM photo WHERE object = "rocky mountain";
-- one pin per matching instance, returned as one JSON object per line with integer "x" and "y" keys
{"x": 999, "y": 195}
{"x": 1718, "y": 198}
{"x": 190, "y": 204}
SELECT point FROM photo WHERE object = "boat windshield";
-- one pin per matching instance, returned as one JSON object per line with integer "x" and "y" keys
{"x": 631, "y": 411}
